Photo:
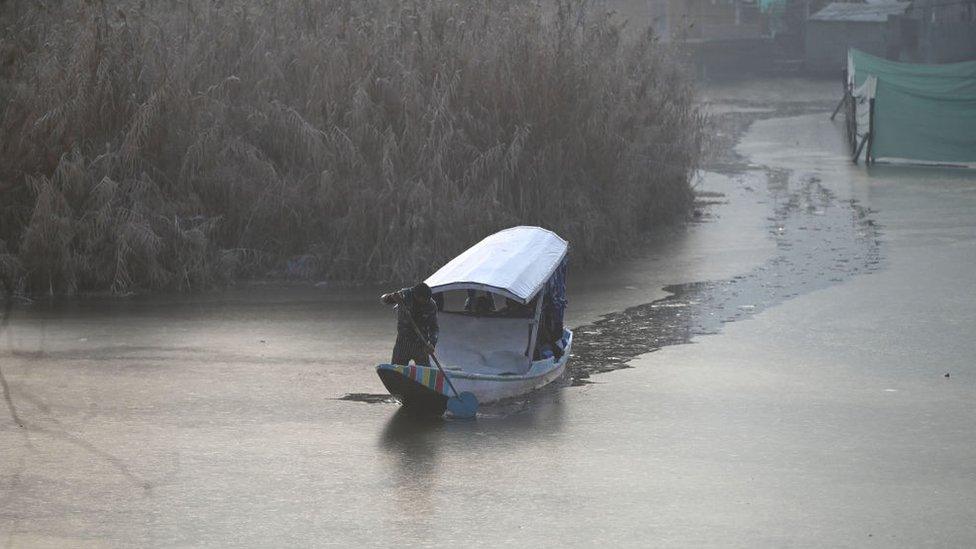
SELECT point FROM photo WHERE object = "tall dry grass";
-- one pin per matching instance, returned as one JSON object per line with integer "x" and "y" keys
{"x": 179, "y": 144}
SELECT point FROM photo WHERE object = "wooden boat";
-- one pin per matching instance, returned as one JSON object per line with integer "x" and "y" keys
{"x": 501, "y": 329}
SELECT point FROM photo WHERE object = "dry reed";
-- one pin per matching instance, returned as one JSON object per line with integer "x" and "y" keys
{"x": 182, "y": 144}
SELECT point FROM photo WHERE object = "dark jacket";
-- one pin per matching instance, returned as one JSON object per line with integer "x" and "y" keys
{"x": 425, "y": 316}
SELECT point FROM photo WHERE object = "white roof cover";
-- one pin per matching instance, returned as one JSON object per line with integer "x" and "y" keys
{"x": 515, "y": 263}
{"x": 875, "y": 12}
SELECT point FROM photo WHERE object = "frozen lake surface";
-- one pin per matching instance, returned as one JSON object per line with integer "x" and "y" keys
{"x": 825, "y": 304}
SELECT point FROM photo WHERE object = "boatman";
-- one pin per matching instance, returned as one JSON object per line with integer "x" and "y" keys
{"x": 415, "y": 303}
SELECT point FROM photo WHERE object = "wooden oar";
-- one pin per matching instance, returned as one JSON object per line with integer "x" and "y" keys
{"x": 461, "y": 405}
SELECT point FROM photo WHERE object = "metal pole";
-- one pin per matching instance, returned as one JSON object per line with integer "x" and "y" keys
{"x": 530, "y": 350}
{"x": 843, "y": 100}
{"x": 869, "y": 154}
{"x": 857, "y": 151}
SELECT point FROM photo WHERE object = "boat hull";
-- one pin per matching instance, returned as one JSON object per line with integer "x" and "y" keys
{"x": 403, "y": 384}
{"x": 425, "y": 389}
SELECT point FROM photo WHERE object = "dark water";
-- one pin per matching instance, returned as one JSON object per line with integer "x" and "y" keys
{"x": 820, "y": 241}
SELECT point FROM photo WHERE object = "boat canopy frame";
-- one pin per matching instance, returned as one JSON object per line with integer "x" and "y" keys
{"x": 515, "y": 263}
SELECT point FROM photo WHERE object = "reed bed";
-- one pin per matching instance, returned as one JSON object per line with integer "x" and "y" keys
{"x": 177, "y": 145}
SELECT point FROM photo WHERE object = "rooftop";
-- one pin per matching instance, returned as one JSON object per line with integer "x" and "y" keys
{"x": 874, "y": 12}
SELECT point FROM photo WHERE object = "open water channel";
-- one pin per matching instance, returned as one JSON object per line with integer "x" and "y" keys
{"x": 796, "y": 368}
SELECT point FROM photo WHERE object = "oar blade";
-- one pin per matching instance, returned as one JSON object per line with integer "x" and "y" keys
{"x": 463, "y": 406}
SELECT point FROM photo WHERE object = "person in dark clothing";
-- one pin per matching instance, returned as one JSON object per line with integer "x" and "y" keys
{"x": 480, "y": 305}
{"x": 415, "y": 303}
{"x": 514, "y": 309}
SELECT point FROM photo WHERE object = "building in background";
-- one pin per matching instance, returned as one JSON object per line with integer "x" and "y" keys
{"x": 724, "y": 36}
{"x": 839, "y": 26}
{"x": 935, "y": 31}
{"x": 748, "y": 36}
{"x": 920, "y": 31}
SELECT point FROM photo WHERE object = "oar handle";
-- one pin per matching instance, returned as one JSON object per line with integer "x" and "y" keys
{"x": 429, "y": 346}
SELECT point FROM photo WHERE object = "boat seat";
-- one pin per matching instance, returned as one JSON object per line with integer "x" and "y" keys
{"x": 488, "y": 345}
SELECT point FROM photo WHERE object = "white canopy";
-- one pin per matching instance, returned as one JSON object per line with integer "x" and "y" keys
{"x": 515, "y": 263}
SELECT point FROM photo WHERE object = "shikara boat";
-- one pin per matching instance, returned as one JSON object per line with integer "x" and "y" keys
{"x": 501, "y": 305}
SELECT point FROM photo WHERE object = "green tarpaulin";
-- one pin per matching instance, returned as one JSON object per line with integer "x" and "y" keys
{"x": 922, "y": 126}
{"x": 923, "y": 113}
{"x": 952, "y": 78}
